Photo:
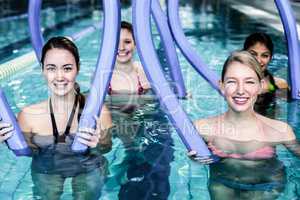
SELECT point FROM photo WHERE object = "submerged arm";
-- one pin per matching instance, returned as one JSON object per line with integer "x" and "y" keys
{"x": 292, "y": 144}
{"x": 104, "y": 126}
{"x": 24, "y": 122}
{"x": 294, "y": 147}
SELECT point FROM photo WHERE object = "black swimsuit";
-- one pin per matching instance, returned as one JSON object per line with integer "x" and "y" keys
{"x": 55, "y": 156}
{"x": 62, "y": 138}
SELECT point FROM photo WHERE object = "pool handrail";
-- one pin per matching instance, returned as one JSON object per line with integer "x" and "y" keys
{"x": 145, "y": 47}
{"x": 163, "y": 28}
{"x": 291, "y": 35}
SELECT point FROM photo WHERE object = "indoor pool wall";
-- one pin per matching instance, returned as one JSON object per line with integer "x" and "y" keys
{"x": 214, "y": 30}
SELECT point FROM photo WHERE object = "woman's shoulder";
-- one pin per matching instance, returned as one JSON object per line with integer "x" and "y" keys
{"x": 277, "y": 130}
{"x": 142, "y": 75}
{"x": 137, "y": 65}
{"x": 33, "y": 112}
{"x": 31, "y": 116}
{"x": 38, "y": 108}
{"x": 281, "y": 83}
{"x": 206, "y": 126}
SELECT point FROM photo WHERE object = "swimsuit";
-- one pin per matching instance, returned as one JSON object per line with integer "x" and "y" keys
{"x": 265, "y": 152}
{"x": 140, "y": 89}
{"x": 266, "y": 100}
{"x": 261, "y": 153}
{"x": 54, "y": 154}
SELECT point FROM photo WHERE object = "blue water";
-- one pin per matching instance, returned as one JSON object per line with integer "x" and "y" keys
{"x": 156, "y": 163}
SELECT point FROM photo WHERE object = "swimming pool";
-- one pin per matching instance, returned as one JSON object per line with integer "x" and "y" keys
{"x": 214, "y": 30}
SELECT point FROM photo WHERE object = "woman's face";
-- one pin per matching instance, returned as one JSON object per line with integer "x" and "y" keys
{"x": 240, "y": 87}
{"x": 126, "y": 46}
{"x": 60, "y": 71}
{"x": 261, "y": 53}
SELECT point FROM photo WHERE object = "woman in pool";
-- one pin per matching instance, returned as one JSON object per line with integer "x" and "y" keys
{"x": 127, "y": 87}
{"x": 260, "y": 45}
{"x": 243, "y": 139}
{"x": 128, "y": 76}
{"x": 49, "y": 128}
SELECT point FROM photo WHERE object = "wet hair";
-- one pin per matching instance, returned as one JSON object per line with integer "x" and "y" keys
{"x": 263, "y": 38}
{"x": 61, "y": 43}
{"x": 243, "y": 57}
{"x": 128, "y": 26}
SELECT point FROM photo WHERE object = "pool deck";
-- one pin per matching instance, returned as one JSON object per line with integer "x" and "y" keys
{"x": 265, "y": 11}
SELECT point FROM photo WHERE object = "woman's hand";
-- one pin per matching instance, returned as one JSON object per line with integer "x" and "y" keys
{"x": 202, "y": 160}
{"x": 6, "y": 131}
{"x": 89, "y": 137}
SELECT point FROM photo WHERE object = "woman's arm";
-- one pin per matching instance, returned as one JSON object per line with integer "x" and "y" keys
{"x": 291, "y": 142}
{"x": 104, "y": 126}
{"x": 24, "y": 123}
{"x": 281, "y": 83}
{"x": 294, "y": 147}
{"x": 142, "y": 76}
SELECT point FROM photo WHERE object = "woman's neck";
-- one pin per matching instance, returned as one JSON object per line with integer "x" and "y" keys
{"x": 239, "y": 117}
{"x": 125, "y": 67}
{"x": 62, "y": 103}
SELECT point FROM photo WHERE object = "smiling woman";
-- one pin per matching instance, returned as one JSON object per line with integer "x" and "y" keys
{"x": 49, "y": 128}
{"x": 260, "y": 45}
{"x": 244, "y": 140}
{"x": 128, "y": 76}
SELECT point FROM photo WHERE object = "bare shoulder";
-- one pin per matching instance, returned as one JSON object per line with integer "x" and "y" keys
{"x": 277, "y": 130}
{"x": 35, "y": 109}
{"x": 141, "y": 73}
{"x": 281, "y": 83}
{"x": 32, "y": 114}
{"x": 138, "y": 66}
{"x": 206, "y": 126}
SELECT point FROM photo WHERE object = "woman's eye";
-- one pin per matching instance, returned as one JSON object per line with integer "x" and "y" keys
{"x": 68, "y": 69}
{"x": 128, "y": 42}
{"x": 51, "y": 69}
{"x": 253, "y": 53}
{"x": 265, "y": 56}
{"x": 250, "y": 82}
{"x": 230, "y": 82}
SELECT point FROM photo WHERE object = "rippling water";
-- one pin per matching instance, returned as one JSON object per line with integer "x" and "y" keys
{"x": 155, "y": 161}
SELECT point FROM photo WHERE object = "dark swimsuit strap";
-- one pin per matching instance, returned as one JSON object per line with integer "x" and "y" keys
{"x": 61, "y": 138}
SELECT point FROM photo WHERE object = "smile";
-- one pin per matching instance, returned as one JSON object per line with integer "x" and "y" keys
{"x": 240, "y": 100}
{"x": 60, "y": 85}
{"x": 123, "y": 53}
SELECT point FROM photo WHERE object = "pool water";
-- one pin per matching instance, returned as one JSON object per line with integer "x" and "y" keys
{"x": 154, "y": 165}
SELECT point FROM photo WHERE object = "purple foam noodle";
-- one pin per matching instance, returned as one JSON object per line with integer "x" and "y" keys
{"x": 161, "y": 21}
{"x": 145, "y": 47}
{"x": 16, "y": 142}
{"x": 291, "y": 35}
{"x": 104, "y": 69}
{"x": 186, "y": 49}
